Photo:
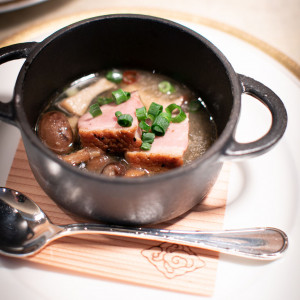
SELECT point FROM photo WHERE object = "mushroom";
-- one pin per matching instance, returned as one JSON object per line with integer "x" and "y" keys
{"x": 77, "y": 104}
{"x": 55, "y": 132}
{"x": 82, "y": 155}
{"x": 114, "y": 169}
{"x": 97, "y": 164}
{"x": 135, "y": 172}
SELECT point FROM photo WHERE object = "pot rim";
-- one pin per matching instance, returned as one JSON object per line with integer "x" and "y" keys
{"x": 215, "y": 150}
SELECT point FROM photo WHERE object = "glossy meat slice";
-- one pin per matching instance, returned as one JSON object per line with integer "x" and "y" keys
{"x": 166, "y": 152}
{"x": 78, "y": 103}
{"x": 104, "y": 131}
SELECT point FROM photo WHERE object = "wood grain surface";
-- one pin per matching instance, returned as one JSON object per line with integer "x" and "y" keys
{"x": 135, "y": 261}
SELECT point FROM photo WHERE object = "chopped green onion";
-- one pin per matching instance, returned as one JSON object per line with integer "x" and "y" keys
{"x": 125, "y": 120}
{"x": 148, "y": 137}
{"x": 161, "y": 124}
{"x": 155, "y": 109}
{"x": 102, "y": 101}
{"x": 118, "y": 114}
{"x": 95, "y": 110}
{"x": 120, "y": 96}
{"x": 166, "y": 87}
{"x": 181, "y": 116}
{"x": 114, "y": 76}
{"x": 150, "y": 117}
{"x": 194, "y": 106}
{"x": 166, "y": 115}
{"x": 144, "y": 126}
{"x": 145, "y": 146}
{"x": 141, "y": 113}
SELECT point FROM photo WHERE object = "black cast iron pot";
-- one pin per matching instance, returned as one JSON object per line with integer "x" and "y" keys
{"x": 143, "y": 42}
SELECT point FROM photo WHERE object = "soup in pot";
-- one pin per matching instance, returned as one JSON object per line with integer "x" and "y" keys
{"x": 127, "y": 123}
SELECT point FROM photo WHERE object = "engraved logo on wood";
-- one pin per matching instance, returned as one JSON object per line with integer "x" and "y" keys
{"x": 173, "y": 260}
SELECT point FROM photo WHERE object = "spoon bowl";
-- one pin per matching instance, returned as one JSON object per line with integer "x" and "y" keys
{"x": 25, "y": 229}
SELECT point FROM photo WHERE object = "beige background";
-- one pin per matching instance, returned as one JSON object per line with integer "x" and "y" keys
{"x": 276, "y": 22}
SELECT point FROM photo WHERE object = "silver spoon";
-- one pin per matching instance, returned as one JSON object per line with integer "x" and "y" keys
{"x": 25, "y": 229}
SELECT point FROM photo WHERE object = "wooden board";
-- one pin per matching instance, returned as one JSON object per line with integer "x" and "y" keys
{"x": 147, "y": 263}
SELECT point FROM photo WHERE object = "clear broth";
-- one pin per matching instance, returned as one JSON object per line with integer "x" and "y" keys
{"x": 202, "y": 128}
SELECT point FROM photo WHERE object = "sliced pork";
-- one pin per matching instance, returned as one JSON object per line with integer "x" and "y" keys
{"x": 104, "y": 131}
{"x": 78, "y": 103}
{"x": 166, "y": 152}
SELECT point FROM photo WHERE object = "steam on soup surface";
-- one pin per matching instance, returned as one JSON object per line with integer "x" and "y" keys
{"x": 126, "y": 123}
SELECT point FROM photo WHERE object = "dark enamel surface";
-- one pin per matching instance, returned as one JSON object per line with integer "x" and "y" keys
{"x": 128, "y": 41}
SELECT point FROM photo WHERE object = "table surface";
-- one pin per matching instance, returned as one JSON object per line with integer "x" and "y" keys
{"x": 275, "y": 22}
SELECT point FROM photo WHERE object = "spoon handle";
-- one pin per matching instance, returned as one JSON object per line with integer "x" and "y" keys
{"x": 263, "y": 243}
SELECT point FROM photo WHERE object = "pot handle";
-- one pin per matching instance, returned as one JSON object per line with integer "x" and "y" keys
{"x": 236, "y": 150}
{"x": 16, "y": 51}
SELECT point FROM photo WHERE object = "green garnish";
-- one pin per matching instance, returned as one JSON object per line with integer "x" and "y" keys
{"x": 181, "y": 116}
{"x": 114, "y": 76}
{"x": 120, "y": 96}
{"x": 124, "y": 120}
{"x": 166, "y": 87}
{"x": 95, "y": 110}
{"x": 160, "y": 121}
{"x": 155, "y": 109}
{"x": 141, "y": 113}
{"x": 118, "y": 114}
{"x": 148, "y": 137}
{"x": 144, "y": 126}
{"x": 161, "y": 124}
{"x": 103, "y": 101}
{"x": 146, "y": 146}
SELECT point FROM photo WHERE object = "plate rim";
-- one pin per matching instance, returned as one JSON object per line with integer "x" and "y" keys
{"x": 59, "y": 22}
{"x": 37, "y": 31}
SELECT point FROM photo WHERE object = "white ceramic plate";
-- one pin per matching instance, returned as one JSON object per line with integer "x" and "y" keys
{"x": 263, "y": 192}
